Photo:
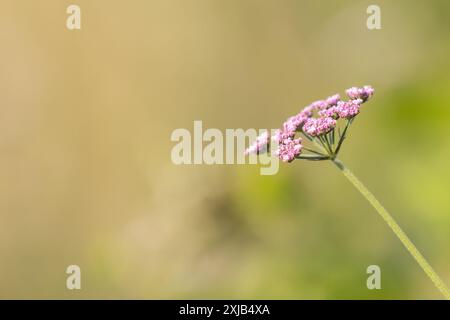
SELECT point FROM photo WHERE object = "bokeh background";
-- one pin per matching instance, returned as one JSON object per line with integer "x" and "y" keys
{"x": 86, "y": 176}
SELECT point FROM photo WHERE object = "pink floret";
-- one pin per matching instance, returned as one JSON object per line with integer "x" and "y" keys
{"x": 319, "y": 126}
{"x": 348, "y": 109}
{"x": 363, "y": 93}
{"x": 289, "y": 149}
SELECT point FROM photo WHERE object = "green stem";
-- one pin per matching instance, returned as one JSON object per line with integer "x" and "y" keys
{"x": 332, "y": 137}
{"x": 396, "y": 229}
{"x": 327, "y": 139}
{"x": 324, "y": 144}
{"x": 314, "y": 151}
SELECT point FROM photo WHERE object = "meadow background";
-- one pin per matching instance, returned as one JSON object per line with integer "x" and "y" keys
{"x": 86, "y": 176}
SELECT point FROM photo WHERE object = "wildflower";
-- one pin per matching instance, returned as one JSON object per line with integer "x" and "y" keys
{"x": 363, "y": 93}
{"x": 319, "y": 105}
{"x": 319, "y": 126}
{"x": 307, "y": 111}
{"x": 281, "y": 135}
{"x": 288, "y": 149}
{"x": 291, "y": 124}
{"x": 333, "y": 100}
{"x": 348, "y": 109}
{"x": 294, "y": 123}
{"x": 321, "y": 131}
{"x": 332, "y": 112}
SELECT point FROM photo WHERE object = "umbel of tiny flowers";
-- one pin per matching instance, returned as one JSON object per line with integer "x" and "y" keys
{"x": 325, "y": 124}
{"x": 319, "y": 123}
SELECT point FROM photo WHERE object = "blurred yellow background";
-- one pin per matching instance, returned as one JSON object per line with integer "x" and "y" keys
{"x": 86, "y": 176}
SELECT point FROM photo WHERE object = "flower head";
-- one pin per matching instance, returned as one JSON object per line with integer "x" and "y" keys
{"x": 317, "y": 122}
{"x": 293, "y": 123}
{"x": 319, "y": 126}
{"x": 288, "y": 149}
{"x": 348, "y": 109}
{"x": 331, "y": 112}
{"x": 281, "y": 135}
{"x": 363, "y": 93}
{"x": 319, "y": 105}
{"x": 333, "y": 100}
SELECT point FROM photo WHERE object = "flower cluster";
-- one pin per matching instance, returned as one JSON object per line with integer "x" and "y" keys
{"x": 319, "y": 126}
{"x": 327, "y": 112}
{"x": 289, "y": 149}
{"x": 343, "y": 110}
{"x": 363, "y": 93}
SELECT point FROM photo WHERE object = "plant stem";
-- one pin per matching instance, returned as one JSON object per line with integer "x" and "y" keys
{"x": 314, "y": 151}
{"x": 396, "y": 229}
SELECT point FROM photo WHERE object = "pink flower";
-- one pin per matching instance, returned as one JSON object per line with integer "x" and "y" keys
{"x": 295, "y": 122}
{"x": 316, "y": 120}
{"x": 319, "y": 105}
{"x": 331, "y": 112}
{"x": 363, "y": 93}
{"x": 307, "y": 111}
{"x": 319, "y": 126}
{"x": 292, "y": 124}
{"x": 289, "y": 149}
{"x": 260, "y": 144}
{"x": 281, "y": 135}
{"x": 348, "y": 109}
{"x": 333, "y": 100}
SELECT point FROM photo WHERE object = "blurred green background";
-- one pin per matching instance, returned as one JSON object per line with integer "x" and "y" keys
{"x": 86, "y": 176}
